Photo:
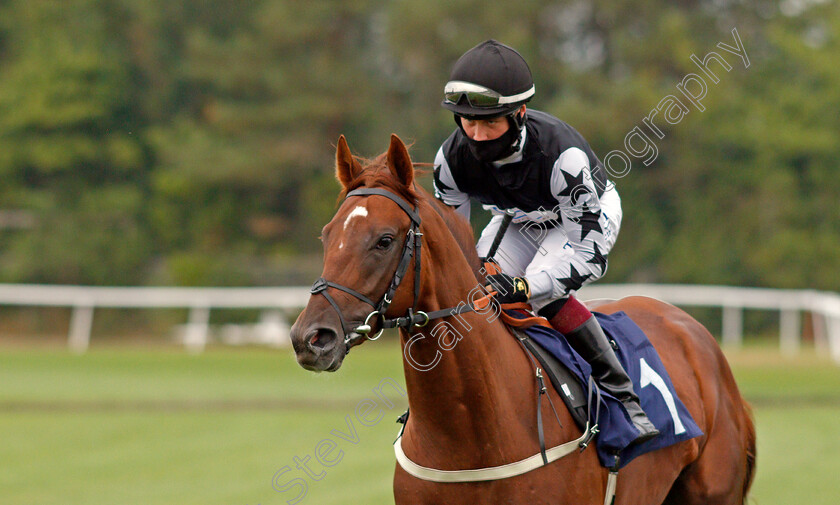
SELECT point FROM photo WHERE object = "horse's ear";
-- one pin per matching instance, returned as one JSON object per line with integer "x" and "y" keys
{"x": 399, "y": 162}
{"x": 346, "y": 166}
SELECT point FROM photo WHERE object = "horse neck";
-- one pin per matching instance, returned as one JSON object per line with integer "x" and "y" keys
{"x": 466, "y": 368}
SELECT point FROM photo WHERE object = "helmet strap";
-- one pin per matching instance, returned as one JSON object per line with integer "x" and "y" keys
{"x": 518, "y": 120}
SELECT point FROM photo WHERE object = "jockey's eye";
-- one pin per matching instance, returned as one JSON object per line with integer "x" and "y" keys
{"x": 384, "y": 242}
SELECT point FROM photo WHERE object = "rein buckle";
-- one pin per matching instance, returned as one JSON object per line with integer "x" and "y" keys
{"x": 424, "y": 323}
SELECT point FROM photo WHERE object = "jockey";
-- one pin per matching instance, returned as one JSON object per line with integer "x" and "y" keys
{"x": 565, "y": 212}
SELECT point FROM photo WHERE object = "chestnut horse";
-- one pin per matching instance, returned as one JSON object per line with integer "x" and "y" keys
{"x": 472, "y": 395}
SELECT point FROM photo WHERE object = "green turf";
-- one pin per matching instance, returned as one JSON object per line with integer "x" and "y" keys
{"x": 186, "y": 458}
{"x": 116, "y": 374}
{"x": 133, "y": 426}
{"x": 796, "y": 402}
{"x": 798, "y": 455}
{"x": 766, "y": 376}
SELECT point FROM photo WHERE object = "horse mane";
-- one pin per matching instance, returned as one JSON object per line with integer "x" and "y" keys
{"x": 462, "y": 230}
{"x": 375, "y": 173}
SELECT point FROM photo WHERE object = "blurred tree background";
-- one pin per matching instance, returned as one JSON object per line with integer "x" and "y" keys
{"x": 190, "y": 142}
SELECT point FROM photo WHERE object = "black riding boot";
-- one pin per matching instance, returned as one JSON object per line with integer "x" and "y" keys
{"x": 593, "y": 345}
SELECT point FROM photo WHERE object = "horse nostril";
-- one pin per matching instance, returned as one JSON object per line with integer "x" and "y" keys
{"x": 323, "y": 338}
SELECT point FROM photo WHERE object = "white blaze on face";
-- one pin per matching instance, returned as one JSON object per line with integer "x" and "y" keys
{"x": 359, "y": 211}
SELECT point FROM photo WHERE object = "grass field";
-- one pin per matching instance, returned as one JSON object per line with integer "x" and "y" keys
{"x": 133, "y": 426}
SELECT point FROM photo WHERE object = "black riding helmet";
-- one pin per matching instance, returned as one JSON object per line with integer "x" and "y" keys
{"x": 489, "y": 80}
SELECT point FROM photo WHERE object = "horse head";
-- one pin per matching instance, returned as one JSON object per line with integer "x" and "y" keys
{"x": 373, "y": 279}
{"x": 368, "y": 246}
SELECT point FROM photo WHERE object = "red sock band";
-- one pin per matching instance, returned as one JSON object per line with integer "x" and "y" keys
{"x": 570, "y": 316}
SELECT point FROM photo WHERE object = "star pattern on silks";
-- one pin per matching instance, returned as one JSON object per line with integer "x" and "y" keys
{"x": 598, "y": 259}
{"x": 439, "y": 185}
{"x": 575, "y": 280}
{"x": 589, "y": 222}
{"x": 575, "y": 187}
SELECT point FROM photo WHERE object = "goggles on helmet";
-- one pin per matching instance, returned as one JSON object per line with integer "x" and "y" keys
{"x": 479, "y": 96}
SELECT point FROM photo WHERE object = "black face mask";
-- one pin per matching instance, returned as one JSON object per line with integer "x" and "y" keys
{"x": 496, "y": 149}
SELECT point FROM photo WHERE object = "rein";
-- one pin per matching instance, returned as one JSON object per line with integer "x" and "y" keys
{"x": 414, "y": 317}
{"x": 417, "y": 318}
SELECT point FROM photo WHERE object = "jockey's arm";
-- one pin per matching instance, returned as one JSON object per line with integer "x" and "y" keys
{"x": 446, "y": 190}
{"x": 575, "y": 252}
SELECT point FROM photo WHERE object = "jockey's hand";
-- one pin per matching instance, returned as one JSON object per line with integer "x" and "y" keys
{"x": 509, "y": 289}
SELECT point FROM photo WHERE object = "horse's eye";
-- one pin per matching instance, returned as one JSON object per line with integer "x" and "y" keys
{"x": 385, "y": 242}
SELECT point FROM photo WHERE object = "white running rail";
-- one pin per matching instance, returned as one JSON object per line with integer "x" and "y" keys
{"x": 824, "y": 307}
{"x": 84, "y": 299}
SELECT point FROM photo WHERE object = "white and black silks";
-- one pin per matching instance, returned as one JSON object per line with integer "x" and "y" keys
{"x": 566, "y": 213}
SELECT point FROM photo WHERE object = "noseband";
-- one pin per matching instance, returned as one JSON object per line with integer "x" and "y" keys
{"x": 411, "y": 248}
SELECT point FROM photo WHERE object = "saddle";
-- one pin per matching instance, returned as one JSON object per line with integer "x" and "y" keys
{"x": 565, "y": 383}
{"x": 571, "y": 377}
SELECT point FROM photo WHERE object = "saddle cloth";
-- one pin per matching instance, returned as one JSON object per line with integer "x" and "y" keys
{"x": 650, "y": 381}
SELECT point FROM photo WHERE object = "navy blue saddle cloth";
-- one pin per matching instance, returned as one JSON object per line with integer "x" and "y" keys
{"x": 650, "y": 381}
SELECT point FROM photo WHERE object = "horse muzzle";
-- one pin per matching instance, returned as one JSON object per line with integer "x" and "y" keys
{"x": 318, "y": 347}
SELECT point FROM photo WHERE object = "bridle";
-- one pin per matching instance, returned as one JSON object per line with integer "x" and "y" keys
{"x": 411, "y": 248}
{"x": 416, "y": 318}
